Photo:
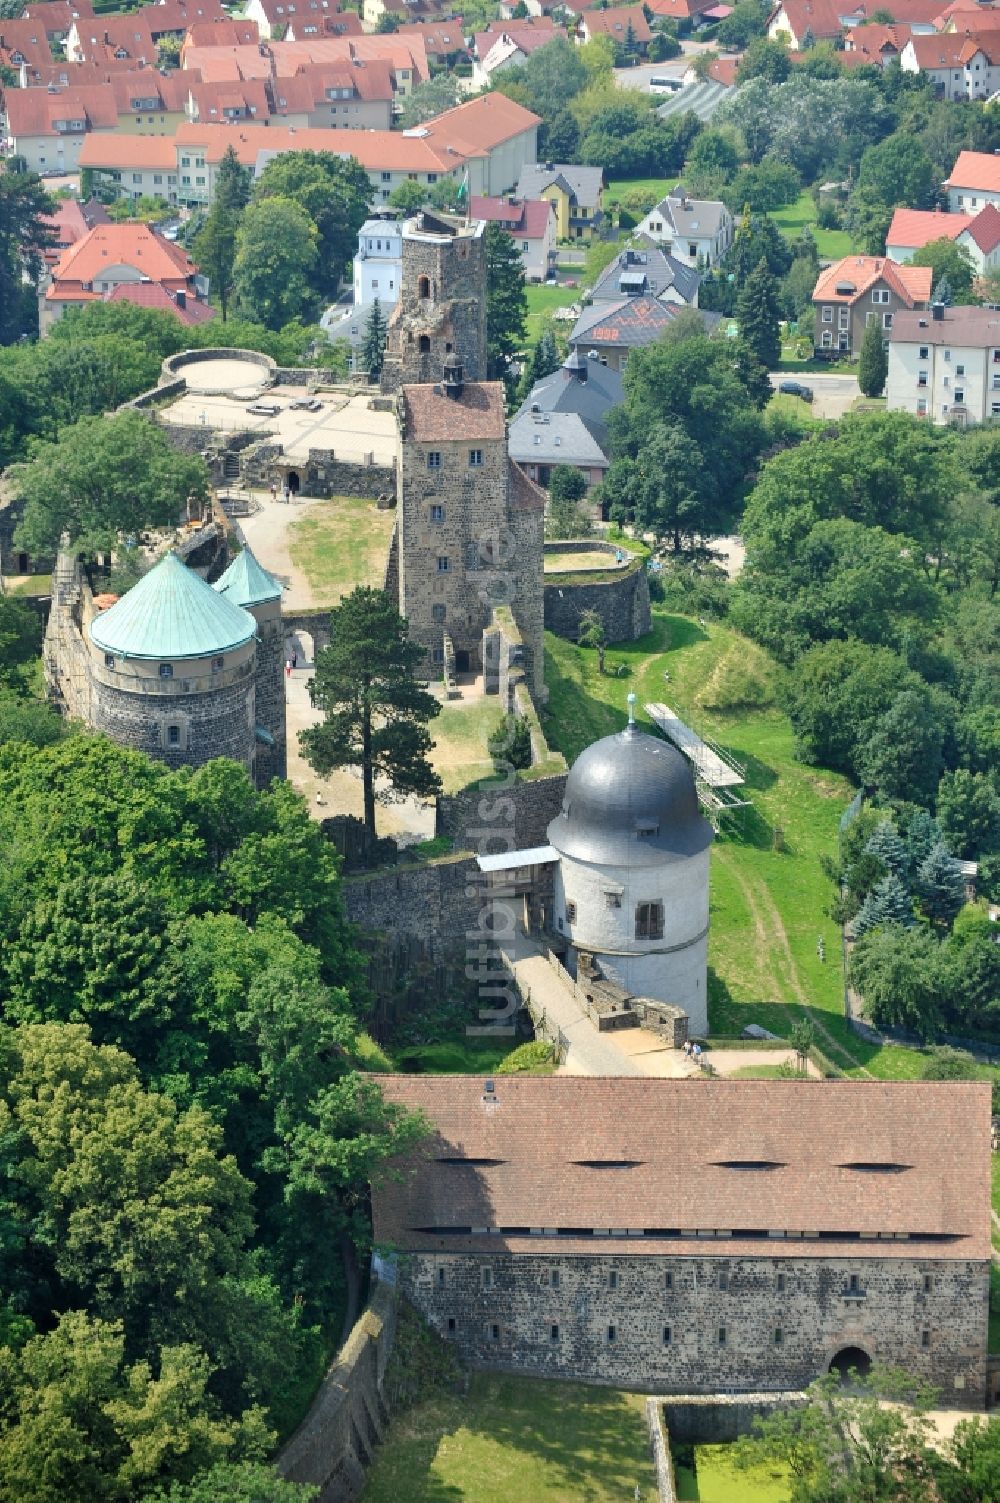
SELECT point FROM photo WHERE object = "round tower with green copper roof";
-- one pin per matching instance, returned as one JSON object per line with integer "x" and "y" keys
{"x": 174, "y": 670}
{"x": 246, "y": 584}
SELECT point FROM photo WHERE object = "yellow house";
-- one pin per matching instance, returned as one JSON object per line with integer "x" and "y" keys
{"x": 576, "y": 193}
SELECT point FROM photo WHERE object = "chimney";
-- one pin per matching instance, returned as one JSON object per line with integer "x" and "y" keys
{"x": 453, "y": 380}
{"x": 937, "y": 310}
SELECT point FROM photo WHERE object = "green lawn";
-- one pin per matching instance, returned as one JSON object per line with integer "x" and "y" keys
{"x": 519, "y": 1440}
{"x": 545, "y": 300}
{"x": 831, "y": 244}
{"x": 656, "y": 188}
{"x": 768, "y": 892}
{"x": 716, "y": 1480}
{"x": 460, "y": 734}
{"x": 341, "y": 543}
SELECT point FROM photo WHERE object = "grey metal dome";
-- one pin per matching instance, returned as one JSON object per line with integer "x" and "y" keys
{"x": 630, "y": 800}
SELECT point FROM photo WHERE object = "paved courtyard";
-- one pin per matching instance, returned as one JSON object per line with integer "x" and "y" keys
{"x": 346, "y": 424}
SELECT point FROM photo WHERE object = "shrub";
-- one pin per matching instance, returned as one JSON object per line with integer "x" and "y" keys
{"x": 536, "y": 1058}
{"x": 510, "y": 744}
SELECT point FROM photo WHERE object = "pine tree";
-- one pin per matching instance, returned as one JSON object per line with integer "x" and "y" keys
{"x": 940, "y": 885}
{"x": 873, "y": 365}
{"x": 232, "y": 183}
{"x": 506, "y": 301}
{"x": 890, "y": 850}
{"x": 943, "y": 293}
{"x": 373, "y": 349}
{"x": 888, "y": 903}
{"x": 757, "y": 316}
{"x": 921, "y": 834}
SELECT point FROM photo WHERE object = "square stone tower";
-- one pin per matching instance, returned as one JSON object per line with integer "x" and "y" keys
{"x": 442, "y": 302}
{"x": 470, "y": 525}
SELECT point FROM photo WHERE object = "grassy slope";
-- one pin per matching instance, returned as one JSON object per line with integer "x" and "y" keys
{"x": 766, "y": 903}
{"x": 521, "y": 1440}
{"x": 339, "y": 544}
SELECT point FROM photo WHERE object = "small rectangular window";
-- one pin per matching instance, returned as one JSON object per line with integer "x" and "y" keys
{"x": 722, "y": 1335}
{"x": 668, "y": 1282}
{"x": 475, "y": 459}
{"x": 554, "y": 1332}
{"x": 494, "y": 1332}
{"x": 924, "y": 351}
{"x": 217, "y": 663}
{"x": 828, "y": 315}
{"x": 928, "y": 1283}
{"x": 612, "y": 1280}
{"x": 554, "y": 1278}
{"x": 925, "y": 1339}
{"x": 439, "y": 614}
{"x": 174, "y": 735}
{"x": 440, "y": 1278}
{"x": 668, "y": 1335}
{"x": 443, "y": 565}
{"x": 166, "y": 670}
{"x": 437, "y": 513}
{"x": 612, "y": 1335}
{"x": 779, "y": 1336}
{"x": 571, "y": 913}
{"x": 486, "y": 1275}
{"x": 649, "y": 921}
{"x": 434, "y": 460}
{"x": 452, "y": 1325}
{"x": 723, "y": 1278}
{"x": 109, "y": 661}
{"x": 779, "y": 1283}
{"x": 613, "y": 899}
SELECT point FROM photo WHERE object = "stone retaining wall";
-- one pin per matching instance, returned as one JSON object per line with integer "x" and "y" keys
{"x": 336, "y": 1441}
{"x": 621, "y": 600}
{"x": 436, "y": 903}
{"x": 499, "y": 816}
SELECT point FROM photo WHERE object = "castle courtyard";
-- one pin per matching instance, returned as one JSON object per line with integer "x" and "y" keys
{"x": 348, "y": 425}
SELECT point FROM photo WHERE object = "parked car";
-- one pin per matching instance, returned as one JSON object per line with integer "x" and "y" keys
{"x": 264, "y": 409}
{"x": 306, "y": 404}
{"x": 796, "y": 389}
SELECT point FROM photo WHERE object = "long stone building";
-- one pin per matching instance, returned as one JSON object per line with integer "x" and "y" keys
{"x": 176, "y": 668}
{"x": 698, "y": 1235}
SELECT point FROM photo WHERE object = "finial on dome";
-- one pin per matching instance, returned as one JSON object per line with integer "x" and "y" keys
{"x": 630, "y": 701}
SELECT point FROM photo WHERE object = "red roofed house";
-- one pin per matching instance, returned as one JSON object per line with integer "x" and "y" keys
{"x": 98, "y": 38}
{"x": 878, "y": 44}
{"x": 68, "y": 225}
{"x": 186, "y": 309}
{"x": 56, "y": 16}
{"x": 530, "y": 222}
{"x": 959, "y": 66}
{"x": 626, "y": 25}
{"x": 431, "y": 12}
{"x": 225, "y": 33}
{"x": 853, "y": 292}
{"x": 24, "y": 46}
{"x": 108, "y": 256}
{"x": 974, "y": 181}
{"x": 506, "y": 47}
{"x": 298, "y": 20}
{"x": 978, "y": 233}
{"x": 798, "y": 21}
{"x": 48, "y": 129}
{"x": 729, "y": 1235}
{"x": 346, "y": 96}
{"x": 677, "y": 10}
{"x": 444, "y": 41}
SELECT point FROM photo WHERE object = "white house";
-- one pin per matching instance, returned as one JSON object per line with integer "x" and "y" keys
{"x": 378, "y": 263}
{"x": 944, "y": 364}
{"x": 960, "y": 66}
{"x": 531, "y": 223}
{"x": 977, "y": 233}
{"x": 974, "y": 181}
{"x": 697, "y": 232}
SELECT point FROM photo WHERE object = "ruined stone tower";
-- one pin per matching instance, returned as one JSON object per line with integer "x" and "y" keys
{"x": 442, "y": 302}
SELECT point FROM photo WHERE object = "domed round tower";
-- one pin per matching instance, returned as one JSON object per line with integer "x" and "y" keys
{"x": 173, "y": 670}
{"x": 631, "y": 885}
{"x": 246, "y": 583}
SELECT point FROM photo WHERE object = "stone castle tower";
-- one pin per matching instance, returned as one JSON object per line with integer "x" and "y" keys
{"x": 441, "y": 309}
{"x": 174, "y": 668}
{"x": 245, "y": 583}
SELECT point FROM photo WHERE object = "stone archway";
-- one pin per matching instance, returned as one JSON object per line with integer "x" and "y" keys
{"x": 300, "y": 645}
{"x": 850, "y": 1360}
{"x": 293, "y": 482}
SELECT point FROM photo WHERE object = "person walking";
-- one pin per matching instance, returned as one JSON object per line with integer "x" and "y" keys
{"x": 288, "y": 667}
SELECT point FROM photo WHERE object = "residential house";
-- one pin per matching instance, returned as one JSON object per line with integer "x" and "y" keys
{"x": 405, "y": 56}
{"x": 227, "y": 33}
{"x": 575, "y": 191}
{"x": 626, "y": 25}
{"x": 67, "y": 224}
{"x": 801, "y": 22}
{"x": 876, "y": 43}
{"x": 964, "y": 15}
{"x": 279, "y": 20}
{"x": 483, "y": 143}
{"x": 109, "y": 255}
{"x": 98, "y": 38}
{"x": 56, "y": 16}
{"x": 432, "y": 12}
{"x": 959, "y": 66}
{"x": 48, "y": 128}
{"x": 696, "y": 231}
{"x": 444, "y": 41}
{"x": 531, "y": 222}
{"x": 187, "y": 310}
{"x": 507, "y": 47}
{"x": 610, "y": 331}
{"x": 64, "y": 75}
{"x": 945, "y": 364}
{"x": 345, "y": 96}
{"x": 24, "y": 47}
{"x": 974, "y": 182}
{"x": 678, "y": 10}
{"x": 977, "y": 233}
{"x": 564, "y": 420}
{"x": 721, "y": 70}
{"x": 645, "y": 270}
{"x": 378, "y": 263}
{"x": 852, "y": 293}
{"x": 149, "y": 102}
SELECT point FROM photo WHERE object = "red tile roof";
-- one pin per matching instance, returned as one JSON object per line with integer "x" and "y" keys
{"x": 615, "y": 23}
{"x": 431, "y": 417}
{"x": 68, "y": 225}
{"x": 976, "y": 169}
{"x": 985, "y": 229}
{"x": 954, "y": 49}
{"x": 911, "y": 284}
{"x": 155, "y": 295}
{"x": 246, "y": 95}
{"x": 402, "y": 53}
{"x": 34, "y": 112}
{"x": 680, "y": 10}
{"x": 369, "y": 80}
{"x": 527, "y": 217}
{"x": 57, "y": 16}
{"x": 821, "y": 17}
{"x": 24, "y": 41}
{"x": 545, "y": 1148}
{"x": 526, "y": 39}
{"x": 222, "y": 33}
{"x": 480, "y": 124}
{"x": 914, "y": 228}
{"x": 875, "y": 39}
{"x": 137, "y": 245}
{"x": 115, "y": 149}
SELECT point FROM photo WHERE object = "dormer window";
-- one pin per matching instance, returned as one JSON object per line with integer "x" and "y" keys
{"x": 166, "y": 670}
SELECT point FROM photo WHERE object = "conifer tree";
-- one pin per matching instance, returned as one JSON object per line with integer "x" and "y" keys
{"x": 890, "y": 850}
{"x": 757, "y": 316}
{"x": 888, "y": 903}
{"x": 373, "y": 349}
{"x": 940, "y": 885}
{"x": 873, "y": 365}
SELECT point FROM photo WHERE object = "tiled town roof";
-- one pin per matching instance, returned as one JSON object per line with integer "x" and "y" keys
{"x": 154, "y": 295}
{"x": 615, "y": 23}
{"x": 137, "y": 245}
{"x": 955, "y": 49}
{"x": 56, "y": 16}
{"x": 224, "y": 33}
{"x": 480, "y": 124}
{"x": 628, "y": 323}
{"x": 966, "y": 326}
{"x": 847, "y": 280}
{"x": 821, "y": 1166}
{"x": 114, "y": 149}
{"x": 34, "y": 112}
{"x": 528, "y": 218}
{"x": 985, "y": 229}
{"x": 915, "y": 228}
{"x": 432, "y": 417}
{"x": 976, "y": 169}
{"x": 246, "y": 582}
{"x": 172, "y": 613}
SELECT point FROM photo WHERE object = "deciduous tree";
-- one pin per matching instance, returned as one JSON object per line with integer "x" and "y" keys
{"x": 277, "y": 249}
{"x": 334, "y": 194}
{"x": 873, "y": 365}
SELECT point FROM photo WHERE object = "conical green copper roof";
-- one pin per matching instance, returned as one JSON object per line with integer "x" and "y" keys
{"x": 246, "y": 583}
{"x": 172, "y": 613}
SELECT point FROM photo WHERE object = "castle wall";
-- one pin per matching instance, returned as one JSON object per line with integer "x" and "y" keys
{"x": 500, "y": 818}
{"x": 441, "y": 305}
{"x": 505, "y": 1306}
{"x": 269, "y": 691}
{"x": 437, "y": 904}
{"x": 528, "y": 531}
{"x": 622, "y": 601}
